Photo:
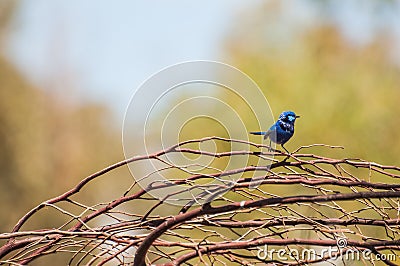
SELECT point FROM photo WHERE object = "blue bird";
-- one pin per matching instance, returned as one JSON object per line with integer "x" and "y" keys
{"x": 282, "y": 130}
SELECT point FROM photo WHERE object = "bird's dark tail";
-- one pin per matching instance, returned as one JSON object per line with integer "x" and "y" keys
{"x": 259, "y": 133}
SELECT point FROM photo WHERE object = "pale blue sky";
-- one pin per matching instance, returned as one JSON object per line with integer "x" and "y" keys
{"x": 111, "y": 49}
{"x": 104, "y": 51}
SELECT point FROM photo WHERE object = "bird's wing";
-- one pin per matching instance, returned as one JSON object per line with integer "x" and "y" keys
{"x": 271, "y": 130}
{"x": 268, "y": 133}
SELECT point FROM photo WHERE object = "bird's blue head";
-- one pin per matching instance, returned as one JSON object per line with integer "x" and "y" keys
{"x": 288, "y": 117}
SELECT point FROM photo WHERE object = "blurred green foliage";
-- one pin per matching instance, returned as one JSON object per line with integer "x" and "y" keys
{"x": 46, "y": 144}
{"x": 347, "y": 94}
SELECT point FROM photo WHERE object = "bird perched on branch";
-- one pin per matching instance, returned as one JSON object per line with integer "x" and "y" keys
{"x": 282, "y": 130}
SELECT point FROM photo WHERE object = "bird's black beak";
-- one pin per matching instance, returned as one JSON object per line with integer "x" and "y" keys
{"x": 297, "y": 116}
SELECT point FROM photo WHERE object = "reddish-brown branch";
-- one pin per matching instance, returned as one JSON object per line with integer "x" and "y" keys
{"x": 278, "y": 215}
{"x": 207, "y": 209}
{"x": 291, "y": 222}
{"x": 278, "y": 242}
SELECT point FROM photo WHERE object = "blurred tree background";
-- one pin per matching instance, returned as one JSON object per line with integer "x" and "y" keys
{"x": 346, "y": 92}
{"x": 47, "y": 145}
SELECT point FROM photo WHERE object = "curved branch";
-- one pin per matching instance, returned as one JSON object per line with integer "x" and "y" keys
{"x": 241, "y": 214}
{"x": 207, "y": 209}
{"x": 279, "y": 242}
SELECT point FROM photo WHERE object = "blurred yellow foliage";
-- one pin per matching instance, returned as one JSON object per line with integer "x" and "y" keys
{"x": 346, "y": 94}
{"x": 46, "y": 146}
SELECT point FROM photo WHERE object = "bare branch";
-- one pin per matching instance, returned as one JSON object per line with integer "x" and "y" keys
{"x": 303, "y": 202}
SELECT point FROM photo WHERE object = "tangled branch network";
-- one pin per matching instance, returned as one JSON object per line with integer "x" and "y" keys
{"x": 306, "y": 209}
